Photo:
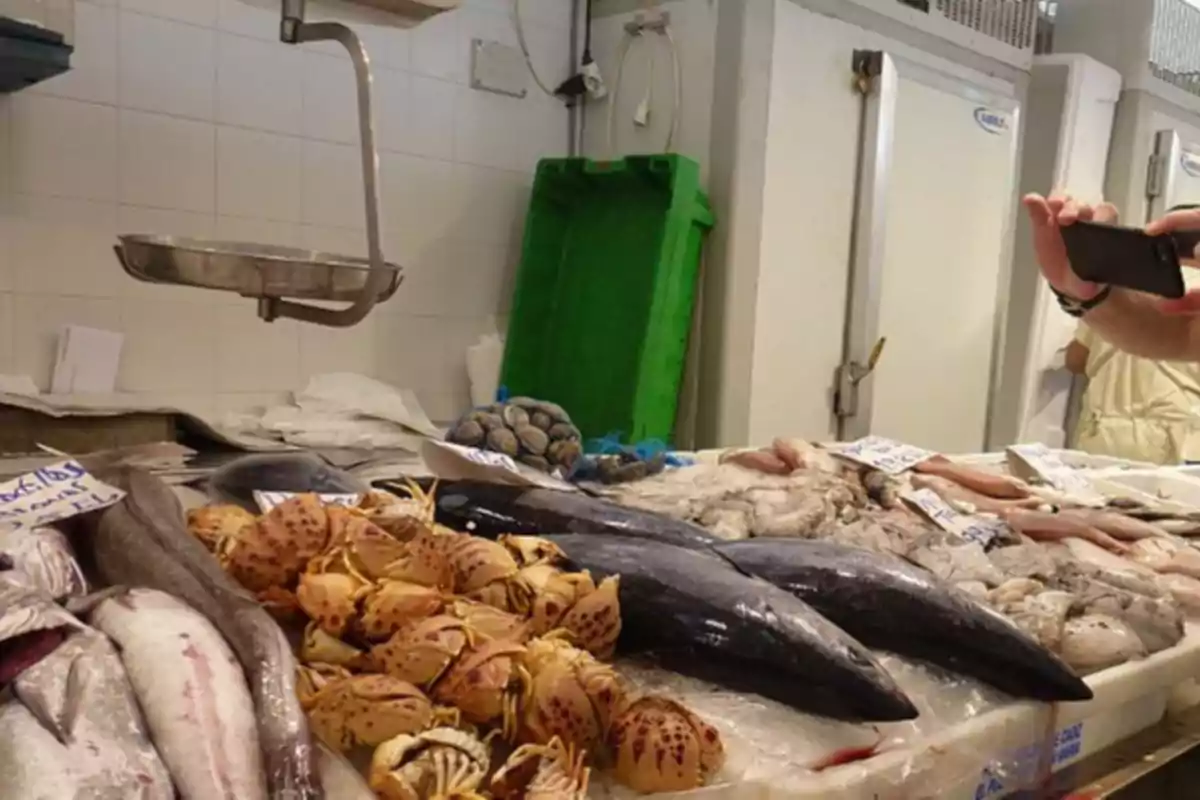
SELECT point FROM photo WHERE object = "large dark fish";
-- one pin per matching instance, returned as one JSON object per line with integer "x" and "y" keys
{"x": 695, "y": 614}
{"x": 890, "y": 605}
{"x": 142, "y": 541}
{"x": 491, "y": 509}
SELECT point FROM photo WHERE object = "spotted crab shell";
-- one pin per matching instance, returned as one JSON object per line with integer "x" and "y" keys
{"x": 330, "y": 599}
{"x": 661, "y": 746}
{"x": 488, "y": 622}
{"x": 594, "y": 621}
{"x": 572, "y": 696}
{"x": 369, "y": 548}
{"x": 394, "y": 605}
{"x": 280, "y": 545}
{"x": 476, "y": 563}
{"x": 422, "y": 651}
{"x": 481, "y": 681}
{"x": 215, "y": 524}
{"x": 422, "y": 560}
{"x": 368, "y": 710}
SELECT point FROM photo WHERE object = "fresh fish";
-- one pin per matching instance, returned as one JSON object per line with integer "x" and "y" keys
{"x": 237, "y": 481}
{"x": 33, "y": 764}
{"x": 966, "y": 500}
{"x": 193, "y": 692}
{"x": 1185, "y": 590}
{"x": 1048, "y": 527}
{"x": 79, "y": 693}
{"x": 696, "y": 614}
{"x": 141, "y": 541}
{"x": 44, "y": 555}
{"x": 1119, "y": 526}
{"x": 997, "y": 487}
{"x": 488, "y": 509}
{"x": 1153, "y": 615}
{"x": 1163, "y": 554}
{"x": 890, "y": 605}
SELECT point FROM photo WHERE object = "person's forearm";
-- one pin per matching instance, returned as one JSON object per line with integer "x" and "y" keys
{"x": 1132, "y": 322}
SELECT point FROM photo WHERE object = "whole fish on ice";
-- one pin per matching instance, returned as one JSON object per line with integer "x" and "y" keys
{"x": 33, "y": 764}
{"x": 142, "y": 541}
{"x": 44, "y": 555}
{"x": 193, "y": 692}
{"x": 489, "y": 509}
{"x": 696, "y": 614}
{"x": 890, "y": 605}
{"x": 79, "y": 693}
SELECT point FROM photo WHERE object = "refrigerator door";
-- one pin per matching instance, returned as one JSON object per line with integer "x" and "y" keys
{"x": 931, "y": 261}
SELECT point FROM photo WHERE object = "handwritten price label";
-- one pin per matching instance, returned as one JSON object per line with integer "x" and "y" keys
{"x": 1020, "y": 769}
{"x": 53, "y": 493}
{"x": 268, "y": 500}
{"x": 484, "y": 458}
{"x": 1045, "y": 464}
{"x": 976, "y": 529}
{"x": 885, "y": 455}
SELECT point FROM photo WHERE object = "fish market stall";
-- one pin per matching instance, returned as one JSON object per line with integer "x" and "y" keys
{"x": 793, "y": 621}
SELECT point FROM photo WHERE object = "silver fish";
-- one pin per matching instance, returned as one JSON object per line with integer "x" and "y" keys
{"x": 79, "y": 693}
{"x": 194, "y": 694}
{"x": 142, "y": 541}
{"x": 45, "y": 556}
{"x": 33, "y": 764}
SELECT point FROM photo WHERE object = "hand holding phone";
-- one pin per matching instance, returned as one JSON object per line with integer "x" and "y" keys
{"x": 1129, "y": 257}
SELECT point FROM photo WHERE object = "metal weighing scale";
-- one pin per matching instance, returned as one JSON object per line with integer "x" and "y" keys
{"x": 279, "y": 276}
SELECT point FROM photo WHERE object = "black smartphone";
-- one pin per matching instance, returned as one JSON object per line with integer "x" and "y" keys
{"x": 1127, "y": 257}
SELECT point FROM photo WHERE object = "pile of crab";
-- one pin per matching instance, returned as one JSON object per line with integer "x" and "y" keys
{"x": 444, "y": 651}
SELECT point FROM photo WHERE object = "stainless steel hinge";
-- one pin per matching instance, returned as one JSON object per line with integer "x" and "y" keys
{"x": 1156, "y": 176}
{"x": 848, "y": 376}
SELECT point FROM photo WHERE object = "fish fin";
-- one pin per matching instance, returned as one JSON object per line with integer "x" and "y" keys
{"x": 84, "y": 606}
{"x": 73, "y": 702}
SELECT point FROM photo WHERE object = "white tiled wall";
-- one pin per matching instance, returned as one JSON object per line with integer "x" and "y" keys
{"x": 189, "y": 117}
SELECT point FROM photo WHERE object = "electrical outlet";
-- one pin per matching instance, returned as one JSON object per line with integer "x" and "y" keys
{"x": 498, "y": 68}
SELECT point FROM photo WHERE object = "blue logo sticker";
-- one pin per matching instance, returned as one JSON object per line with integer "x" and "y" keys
{"x": 994, "y": 122}
{"x": 1190, "y": 163}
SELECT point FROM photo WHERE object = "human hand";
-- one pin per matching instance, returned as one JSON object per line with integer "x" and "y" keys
{"x": 1182, "y": 220}
{"x": 1049, "y": 216}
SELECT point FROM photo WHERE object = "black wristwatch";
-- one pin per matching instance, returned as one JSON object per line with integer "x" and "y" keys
{"x": 1076, "y": 307}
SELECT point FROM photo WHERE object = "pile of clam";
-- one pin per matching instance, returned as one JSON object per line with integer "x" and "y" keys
{"x": 444, "y": 651}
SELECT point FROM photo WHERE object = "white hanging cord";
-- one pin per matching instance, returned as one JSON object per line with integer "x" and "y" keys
{"x": 622, "y": 53}
{"x": 520, "y": 27}
{"x": 677, "y": 81}
{"x": 677, "y": 104}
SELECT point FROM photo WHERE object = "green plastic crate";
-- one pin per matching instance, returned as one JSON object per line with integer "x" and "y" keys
{"x": 604, "y": 296}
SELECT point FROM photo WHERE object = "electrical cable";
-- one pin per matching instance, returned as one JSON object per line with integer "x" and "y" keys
{"x": 677, "y": 94}
{"x": 524, "y": 45}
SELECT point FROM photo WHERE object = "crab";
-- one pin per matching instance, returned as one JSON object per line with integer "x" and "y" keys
{"x": 486, "y": 571}
{"x": 531, "y": 550}
{"x": 367, "y": 709}
{"x": 487, "y": 683}
{"x": 571, "y": 601}
{"x": 658, "y": 745}
{"x": 274, "y": 552}
{"x": 214, "y": 524}
{"x": 422, "y": 560}
{"x": 488, "y": 622}
{"x": 442, "y": 763}
{"x": 423, "y": 651}
{"x": 542, "y": 772}
{"x": 571, "y": 696}
{"x": 331, "y": 598}
{"x": 391, "y": 605}
{"x": 318, "y": 647}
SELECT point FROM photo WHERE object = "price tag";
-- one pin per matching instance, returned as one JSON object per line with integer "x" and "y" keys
{"x": 1039, "y": 461}
{"x": 929, "y": 504}
{"x": 885, "y": 455}
{"x": 269, "y": 500}
{"x": 455, "y": 462}
{"x": 56, "y": 492}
